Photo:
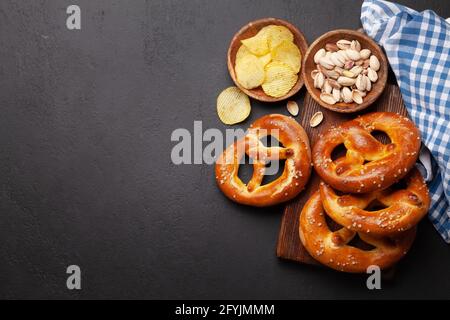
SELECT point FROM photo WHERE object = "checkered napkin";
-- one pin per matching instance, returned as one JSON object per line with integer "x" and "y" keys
{"x": 417, "y": 45}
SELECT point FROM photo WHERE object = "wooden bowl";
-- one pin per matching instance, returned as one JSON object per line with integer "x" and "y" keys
{"x": 366, "y": 43}
{"x": 249, "y": 31}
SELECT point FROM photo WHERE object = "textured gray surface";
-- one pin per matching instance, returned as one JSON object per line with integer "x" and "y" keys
{"x": 86, "y": 176}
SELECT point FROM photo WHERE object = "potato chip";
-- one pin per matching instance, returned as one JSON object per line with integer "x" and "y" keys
{"x": 276, "y": 35}
{"x": 265, "y": 59}
{"x": 280, "y": 78}
{"x": 242, "y": 52}
{"x": 288, "y": 53}
{"x": 257, "y": 45}
{"x": 233, "y": 106}
{"x": 249, "y": 72}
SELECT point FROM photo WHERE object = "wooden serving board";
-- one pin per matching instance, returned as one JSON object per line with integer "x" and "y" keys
{"x": 289, "y": 245}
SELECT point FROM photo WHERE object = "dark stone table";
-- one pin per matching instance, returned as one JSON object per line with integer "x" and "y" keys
{"x": 86, "y": 173}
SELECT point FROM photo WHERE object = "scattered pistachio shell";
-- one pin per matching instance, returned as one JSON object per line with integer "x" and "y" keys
{"x": 292, "y": 107}
{"x": 316, "y": 119}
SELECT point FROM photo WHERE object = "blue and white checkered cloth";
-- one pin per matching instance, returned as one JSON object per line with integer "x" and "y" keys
{"x": 417, "y": 45}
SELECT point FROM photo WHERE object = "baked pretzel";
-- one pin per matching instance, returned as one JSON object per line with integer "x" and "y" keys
{"x": 332, "y": 249}
{"x": 404, "y": 208}
{"x": 368, "y": 165}
{"x": 297, "y": 168}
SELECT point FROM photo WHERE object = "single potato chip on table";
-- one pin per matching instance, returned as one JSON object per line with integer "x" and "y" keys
{"x": 233, "y": 106}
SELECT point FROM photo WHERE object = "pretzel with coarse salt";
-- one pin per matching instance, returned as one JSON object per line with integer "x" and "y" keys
{"x": 295, "y": 151}
{"x": 333, "y": 250}
{"x": 368, "y": 165}
{"x": 404, "y": 208}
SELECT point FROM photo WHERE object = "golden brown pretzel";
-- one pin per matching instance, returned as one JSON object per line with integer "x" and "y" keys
{"x": 297, "y": 167}
{"x": 332, "y": 249}
{"x": 368, "y": 165}
{"x": 404, "y": 208}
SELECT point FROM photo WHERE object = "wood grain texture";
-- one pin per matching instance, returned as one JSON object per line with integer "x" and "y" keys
{"x": 289, "y": 245}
